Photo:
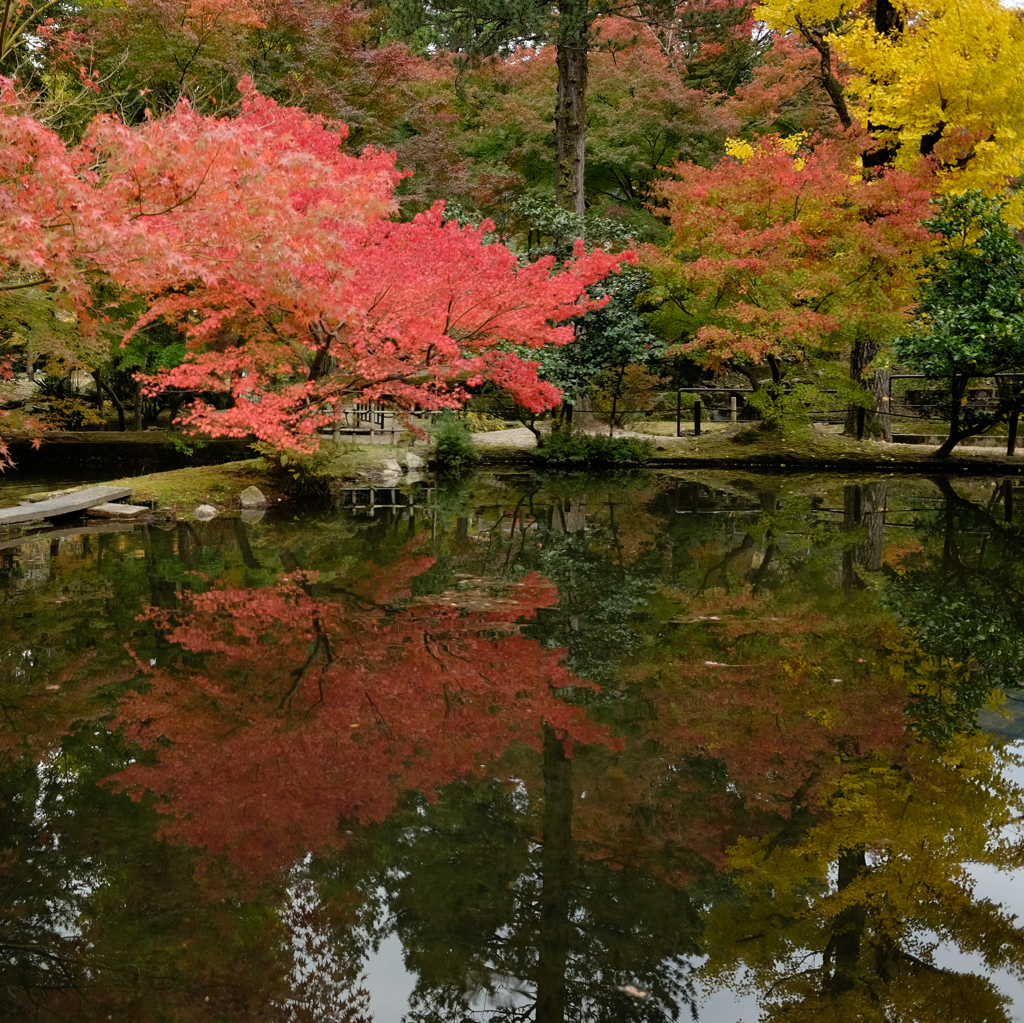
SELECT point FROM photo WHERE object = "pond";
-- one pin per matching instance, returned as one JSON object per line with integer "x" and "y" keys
{"x": 690, "y": 745}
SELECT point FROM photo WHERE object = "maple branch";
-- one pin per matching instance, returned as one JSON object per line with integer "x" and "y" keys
{"x": 181, "y": 202}
{"x": 376, "y": 711}
{"x": 848, "y": 284}
{"x": 747, "y": 543}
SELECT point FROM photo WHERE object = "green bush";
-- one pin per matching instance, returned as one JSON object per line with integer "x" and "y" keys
{"x": 453, "y": 442}
{"x": 579, "y": 449}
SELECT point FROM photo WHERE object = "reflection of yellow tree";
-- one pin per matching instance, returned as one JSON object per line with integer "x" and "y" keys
{"x": 842, "y": 922}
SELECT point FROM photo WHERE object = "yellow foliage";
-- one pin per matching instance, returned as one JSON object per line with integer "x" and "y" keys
{"x": 913, "y": 827}
{"x": 743, "y": 151}
{"x": 953, "y": 69}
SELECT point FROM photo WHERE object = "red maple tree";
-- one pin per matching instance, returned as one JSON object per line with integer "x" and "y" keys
{"x": 782, "y": 254}
{"x": 273, "y": 252}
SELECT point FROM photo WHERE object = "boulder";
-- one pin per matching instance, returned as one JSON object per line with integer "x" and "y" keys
{"x": 252, "y": 497}
{"x": 205, "y": 512}
{"x": 413, "y": 462}
{"x": 390, "y": 465}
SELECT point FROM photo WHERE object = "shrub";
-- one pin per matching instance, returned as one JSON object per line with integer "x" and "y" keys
{"x": 580, "y": 449}
{"x": 453, "y": 443}
{"x": 62, "y": 405}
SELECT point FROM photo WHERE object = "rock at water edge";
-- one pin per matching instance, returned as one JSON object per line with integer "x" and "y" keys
{"x": 252, "y": 497}
{"x": 390, "y": 465}
{"x": 413, "y": 462}
{"x": 205, "y": 512}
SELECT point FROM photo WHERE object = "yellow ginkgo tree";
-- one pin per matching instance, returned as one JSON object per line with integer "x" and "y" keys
{"x": 935, "y": 79}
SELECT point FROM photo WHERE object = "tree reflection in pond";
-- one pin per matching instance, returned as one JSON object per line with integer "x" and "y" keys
{"x": 589, "y": 755}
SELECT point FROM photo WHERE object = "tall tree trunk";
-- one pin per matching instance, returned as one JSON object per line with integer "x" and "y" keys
{"x": 138, "y": 404}
{"x": 122, "y": 425}
{"x": 957, "y": 389}
{"x": 556, "y": 869}
{"x": 571, "y": 108}
{"x": 583, "y": 414}
{"x": 875, "y": 421}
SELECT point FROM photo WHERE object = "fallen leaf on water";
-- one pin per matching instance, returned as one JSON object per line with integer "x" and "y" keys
{"x": 633, "y": 992}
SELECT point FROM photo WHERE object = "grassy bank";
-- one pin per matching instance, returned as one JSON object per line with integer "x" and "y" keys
{"x": 220, "y": 485}
{"x": 806, "y": 449}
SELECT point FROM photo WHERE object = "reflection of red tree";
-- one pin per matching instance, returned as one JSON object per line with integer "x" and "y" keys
{"x": 307, "y": 710}
{"x": 755, "y": 712}
{"x": 786, "y": 697}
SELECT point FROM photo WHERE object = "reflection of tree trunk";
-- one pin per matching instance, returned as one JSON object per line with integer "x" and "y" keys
{"x": 863, "y": 508}
{"x": 758, "y": 577}
{"x": 721, "y": 566}
{"x": 185, "y": 555}
{"x": 843, "y": 949}
{"x": 869, "y": 551}
{"x": 556, "y": 870}
{"x": 159, "y": 547}
{"x": 950, "y": 548}
{"x": 242, "y": 539}
{"x": 576, "y": 514}
{"x": 851, "y": 520}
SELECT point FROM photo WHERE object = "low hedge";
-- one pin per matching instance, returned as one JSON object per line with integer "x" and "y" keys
{"x": 586, "y": 449}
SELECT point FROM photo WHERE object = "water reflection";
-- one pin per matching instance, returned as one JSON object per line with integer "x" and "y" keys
{"x": 589, "y": 753}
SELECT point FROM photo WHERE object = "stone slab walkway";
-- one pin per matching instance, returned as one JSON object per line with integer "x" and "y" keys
{"x": 63, "y": 505}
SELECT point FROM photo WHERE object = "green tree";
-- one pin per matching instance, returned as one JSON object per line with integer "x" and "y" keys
{"x": 969, "y": 320}
{"x": 608, "y": 342}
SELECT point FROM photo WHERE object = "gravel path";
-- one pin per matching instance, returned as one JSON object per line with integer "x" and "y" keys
{"x": 523, "y": 438}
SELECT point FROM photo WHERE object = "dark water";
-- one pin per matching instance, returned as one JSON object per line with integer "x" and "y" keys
{"x": 717, "y": 745}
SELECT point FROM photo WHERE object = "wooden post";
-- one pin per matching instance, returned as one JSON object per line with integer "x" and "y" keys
{"x": 732, "y": 409}
{"x": 696, "y": 417}
{"x": 679, "y": 413}
{"x": 1011, "y": 440}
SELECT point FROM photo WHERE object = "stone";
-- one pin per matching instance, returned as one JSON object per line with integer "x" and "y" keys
{"x": 390, "y": 465}
{"x": 205, "y": 512}
{"x": 413, "y": 462}
{"x": 252, "y": 497}
{"x": 117, "y": 511}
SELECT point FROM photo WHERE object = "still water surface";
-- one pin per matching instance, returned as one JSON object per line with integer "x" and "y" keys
{"x": 728, "y": 746}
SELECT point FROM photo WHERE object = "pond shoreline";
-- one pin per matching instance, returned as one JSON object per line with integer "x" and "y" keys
{"x": 166, "y": 475}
